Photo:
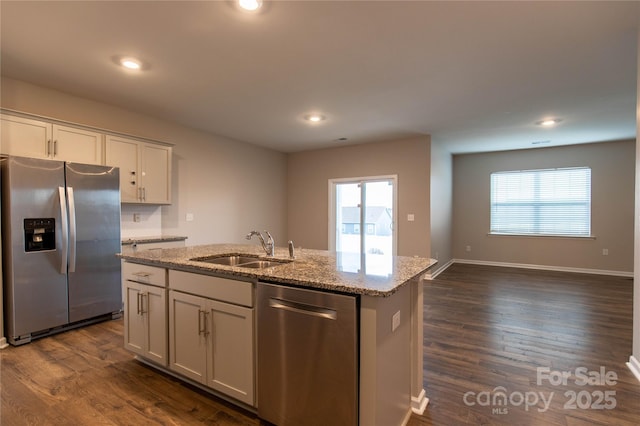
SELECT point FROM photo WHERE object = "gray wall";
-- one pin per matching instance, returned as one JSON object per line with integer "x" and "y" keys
{"x": 230, "y": 187}
{"x": 612, "y": 167}
{"x": 308, "y": 185}
{"x": 441, "y": 206}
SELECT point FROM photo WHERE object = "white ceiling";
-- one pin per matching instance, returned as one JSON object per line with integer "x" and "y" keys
{"x": 474, "y": 75}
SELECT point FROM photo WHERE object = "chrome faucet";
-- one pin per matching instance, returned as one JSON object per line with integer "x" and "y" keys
{"x": 268, "y": 246}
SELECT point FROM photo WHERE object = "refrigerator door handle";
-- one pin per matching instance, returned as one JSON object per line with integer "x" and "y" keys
{"x": 65, "y": 230}
{"x": 72, "y": 230}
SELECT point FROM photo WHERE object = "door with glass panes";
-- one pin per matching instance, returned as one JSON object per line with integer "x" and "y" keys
{"x": 362, "y": 220}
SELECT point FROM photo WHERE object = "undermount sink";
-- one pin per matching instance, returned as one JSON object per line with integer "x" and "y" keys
{"x": 231, "y": 260}
{"x": 259, "y": 264}
{"x": 240, "y": 260}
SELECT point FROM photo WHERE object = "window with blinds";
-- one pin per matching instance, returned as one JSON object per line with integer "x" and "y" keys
{"x": 542, "y": 202}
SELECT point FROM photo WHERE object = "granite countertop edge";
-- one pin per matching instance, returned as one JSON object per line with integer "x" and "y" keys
{"x": 311, "y": 268}
{"x": 152, "y": 239}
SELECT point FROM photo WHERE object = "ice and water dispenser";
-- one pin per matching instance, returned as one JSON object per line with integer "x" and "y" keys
{"x": 39, "y": 234}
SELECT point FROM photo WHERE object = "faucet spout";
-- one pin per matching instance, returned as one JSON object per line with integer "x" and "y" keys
{"x": 268, "y": 246}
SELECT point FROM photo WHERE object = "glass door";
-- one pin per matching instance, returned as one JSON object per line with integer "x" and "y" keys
{"x": 362, "y": 216}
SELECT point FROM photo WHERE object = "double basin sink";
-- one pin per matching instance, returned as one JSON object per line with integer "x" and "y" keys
{"x": 241, "y": 261}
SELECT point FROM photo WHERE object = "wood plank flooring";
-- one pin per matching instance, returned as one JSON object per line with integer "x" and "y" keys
{"x": 85, "y": 377}
{"x": 485, "y": 327}
{"x": 489, "y": 327}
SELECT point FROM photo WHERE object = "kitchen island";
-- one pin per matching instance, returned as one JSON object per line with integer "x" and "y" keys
{"x": 388, "y": 290}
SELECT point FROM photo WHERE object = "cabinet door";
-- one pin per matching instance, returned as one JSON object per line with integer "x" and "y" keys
{"x": 154, "y": 305}
{"x": 231, "y": 357}
{"x": 155, "y": 171}
{"x": 124, "y": 153}
{"x": 134, "y": 320}
{"x": 145, "y": 321}
{"x": 25, "y": 137}
{"x": 188, "y": 335}
{"x": 77, "y": 145}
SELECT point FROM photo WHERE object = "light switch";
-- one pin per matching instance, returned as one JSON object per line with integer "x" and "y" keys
{"x": 411, "y": 217}
{"x": 189, "y": 217}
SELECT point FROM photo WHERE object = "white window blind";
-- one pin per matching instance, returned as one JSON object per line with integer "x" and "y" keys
{"x": 542, "y": 202}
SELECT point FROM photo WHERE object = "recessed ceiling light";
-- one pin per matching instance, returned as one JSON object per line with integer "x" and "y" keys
{"x": 548, "y": 122}
{"x": 130, "y": 63}
{"x": 315, "y": 118}
{"x": 250, "y": 5}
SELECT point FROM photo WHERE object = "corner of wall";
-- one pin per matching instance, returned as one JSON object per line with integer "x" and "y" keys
{"x": 441, "y": 206}
{"x": 633, "y": 364}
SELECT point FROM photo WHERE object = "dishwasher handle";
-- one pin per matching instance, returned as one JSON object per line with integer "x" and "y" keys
{"x": 302, "y": 308}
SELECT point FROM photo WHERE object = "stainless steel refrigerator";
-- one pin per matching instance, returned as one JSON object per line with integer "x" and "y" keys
{"x": 60, "y": 234}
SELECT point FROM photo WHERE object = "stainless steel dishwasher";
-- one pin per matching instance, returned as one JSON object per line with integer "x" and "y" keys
{"x": 307, "y": 356}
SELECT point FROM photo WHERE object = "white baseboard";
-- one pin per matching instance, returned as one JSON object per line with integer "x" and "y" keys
{"x": 634, "y": 366}
{"x": 431, "y": 274}
{"x": 546, "y": 267}
{"x": 419, "y": 403}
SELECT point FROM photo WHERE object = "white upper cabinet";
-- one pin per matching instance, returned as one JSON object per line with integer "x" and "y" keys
{"x": 155, "y": 173}
{"x": 124, "y": 153}
{"x": 77, "y": 145}
{"x": 145, "y": 169}
{"x": 27, "y": 137}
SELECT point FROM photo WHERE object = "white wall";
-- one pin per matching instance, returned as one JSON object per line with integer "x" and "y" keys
{"x": 149, "y": 224}
{"x": 441, "y": 206}
{"x": 308, "y": 182}
{"x": 230, "y": 187}
{"x": 612, "y": 194}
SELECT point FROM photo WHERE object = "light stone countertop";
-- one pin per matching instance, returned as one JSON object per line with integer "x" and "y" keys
{"x": 371, "y": 275}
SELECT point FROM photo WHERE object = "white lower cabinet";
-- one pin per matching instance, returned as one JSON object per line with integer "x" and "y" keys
{"x": 145, "y": 311}
{"x": 146, "y": 321}
{"x": 188, "y": 335}
{"x": 212, "y": 341}
{"x": 230, "y": 364}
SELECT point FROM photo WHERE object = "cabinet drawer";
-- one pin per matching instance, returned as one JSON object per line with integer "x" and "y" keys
{"x": 223, "y": 289}
{"x": 144, "y": 274}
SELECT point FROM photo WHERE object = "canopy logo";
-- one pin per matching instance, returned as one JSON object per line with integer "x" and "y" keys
{"x": 499, "y": 400}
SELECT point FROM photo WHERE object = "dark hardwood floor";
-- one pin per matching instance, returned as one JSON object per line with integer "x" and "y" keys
{"x": 84, "y": 377}
{"x": 490, "y": 327}
{"x": 485, "y": 327}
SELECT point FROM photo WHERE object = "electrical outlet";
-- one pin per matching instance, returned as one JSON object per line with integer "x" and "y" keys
{"x": 136, "y": 217}
{"x": 605, "y": 252}
{"x": 395, "y": 321}
{"x": 467, "y": 248}
{"x": 189, "y": 217}
{"x": 411, "y": 217}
